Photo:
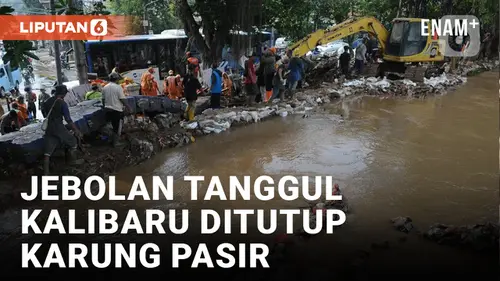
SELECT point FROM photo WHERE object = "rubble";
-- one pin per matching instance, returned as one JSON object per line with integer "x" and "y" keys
{"x": 217, "y": 121}
{"x": 480, "y": 237}
{"x": 469, "y": 68}
{"x": 403, "y": 224}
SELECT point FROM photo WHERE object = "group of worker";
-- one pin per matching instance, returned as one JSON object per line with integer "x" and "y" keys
{"x": 364, "y": 53}
{"x": 21, "y": 109}
{"x": 55, "y": 109}
{"x": 188, "y": 87}
{"x": 273, "y": 76}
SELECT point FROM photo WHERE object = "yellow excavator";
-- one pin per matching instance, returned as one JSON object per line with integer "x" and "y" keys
{"x": 404, "y": 50}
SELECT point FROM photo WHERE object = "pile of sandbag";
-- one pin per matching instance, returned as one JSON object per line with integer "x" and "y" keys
{"x": 467, "y": 68}
{"x": 481, "y": 237}
{"x": 377, "y": 86}
{"x": 216, "y": 121}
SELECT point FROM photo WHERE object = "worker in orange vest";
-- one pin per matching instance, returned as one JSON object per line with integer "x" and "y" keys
{"x": 180, "y": 87}
{"x": 191, "y": 60}
{"x": 170, "y": 86}
{"x": 126, "y": 81}
{"x": 149, "y": 87}
{"x": 21, "y": 106}
{"x": 228, "y": 85}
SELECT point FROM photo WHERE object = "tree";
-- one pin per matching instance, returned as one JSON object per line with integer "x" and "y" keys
{"x": 17, "y": 52}
{"x": 161, "y": 14}
{"x": 297, "y": 18}
{"x": 291, "y": 18}
{"x": 218, "y": 18}
{"x": 74, "y": 7}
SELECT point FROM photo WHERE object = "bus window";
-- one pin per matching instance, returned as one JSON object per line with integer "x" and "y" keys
{"x": 125, "y": 53}
{"x": 145, "y": 53}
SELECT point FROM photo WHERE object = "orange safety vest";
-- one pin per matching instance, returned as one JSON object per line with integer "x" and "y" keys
{"x": 171, "y": 87}
{"x": 148, "y": 85}
{"x": 23, "y": 110}
{"x": 228, "y": 84}
{"x": 193, "y": 60}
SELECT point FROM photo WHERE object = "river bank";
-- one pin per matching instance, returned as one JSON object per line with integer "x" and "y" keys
{"x": 144, "y": 137}
{"x": 429, "y": 159}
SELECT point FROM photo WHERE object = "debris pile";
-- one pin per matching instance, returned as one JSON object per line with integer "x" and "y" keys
{"x": 403, "y": 224}
{"x": 216, "y": 121}
{"x": 380, "y": 87}
{"x": 468, "y": 68}
{"x": 326, "y": 70}
{"x": 480, "y": 237}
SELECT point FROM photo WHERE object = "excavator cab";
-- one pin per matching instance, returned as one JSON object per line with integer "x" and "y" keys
{"x": 406, "y": 47}
{"x": 405, "y": 39}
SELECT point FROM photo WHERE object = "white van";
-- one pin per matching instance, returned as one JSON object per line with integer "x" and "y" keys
{"x": 9, "y": 78}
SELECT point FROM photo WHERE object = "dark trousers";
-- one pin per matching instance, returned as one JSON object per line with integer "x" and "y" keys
{"x": 215, "y": 100}
{"x": 269, "y": 81}
{"x": 115, "y": 117}
{"x": 359, "y": 64}
{"x": 345, "y": 70}
{"x": 251, "y": 90}
{"x": 9, "y": 129}
{"x": 58, "y": 137}
{"x": 32, "y": 109}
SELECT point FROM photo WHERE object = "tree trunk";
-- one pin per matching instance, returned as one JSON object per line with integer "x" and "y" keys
{"x": 81, "y": 66}
{"x": 399, "y": 9}
{"x": 216, "y": 24}
{"x": 192, "y": 28}
{"x": 79, "y": 50}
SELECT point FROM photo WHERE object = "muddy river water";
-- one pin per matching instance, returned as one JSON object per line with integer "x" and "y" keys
{"x": 434, "y": 160}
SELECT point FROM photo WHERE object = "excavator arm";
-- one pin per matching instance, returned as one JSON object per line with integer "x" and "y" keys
{"x": 339, "y": 31}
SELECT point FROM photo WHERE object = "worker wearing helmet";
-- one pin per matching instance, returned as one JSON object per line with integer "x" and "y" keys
{"x": 171, "y": 86}
{"x": 149, "y": 87}
{"x": 126, "y": 81}
{"x": 94, "y": 94}
{"x": 192, "y": 60}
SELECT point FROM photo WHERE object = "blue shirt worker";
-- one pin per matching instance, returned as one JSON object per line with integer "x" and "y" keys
{"x": 56, "y": 133}
{"x": 295, "y": 74}
{"x": 216, "y": 87}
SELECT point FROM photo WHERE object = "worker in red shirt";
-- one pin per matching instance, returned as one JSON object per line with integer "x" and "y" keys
{"x": 192, "y": 60}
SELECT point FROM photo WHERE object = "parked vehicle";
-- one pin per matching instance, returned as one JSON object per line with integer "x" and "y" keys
{"x": 330, "y": 49}
{"x": 9, "y": 77}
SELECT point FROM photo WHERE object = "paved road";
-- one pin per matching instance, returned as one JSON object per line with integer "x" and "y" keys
{"x": 45, "y": 74}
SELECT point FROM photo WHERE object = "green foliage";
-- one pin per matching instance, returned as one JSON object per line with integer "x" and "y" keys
{"x": 98, "y": 8}
{"x": 6, "y": 10}
{"x": 384, "y": 10}
{"x": 160, "y": 13}
{"x": 297, "y": 18}
{"x": 17, "y": 53}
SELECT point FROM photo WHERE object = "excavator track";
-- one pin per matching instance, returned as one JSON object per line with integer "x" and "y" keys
{"x": 418, "y": 73}
{"x": 415, "y": 73}
{"x": 371, "y": 70}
